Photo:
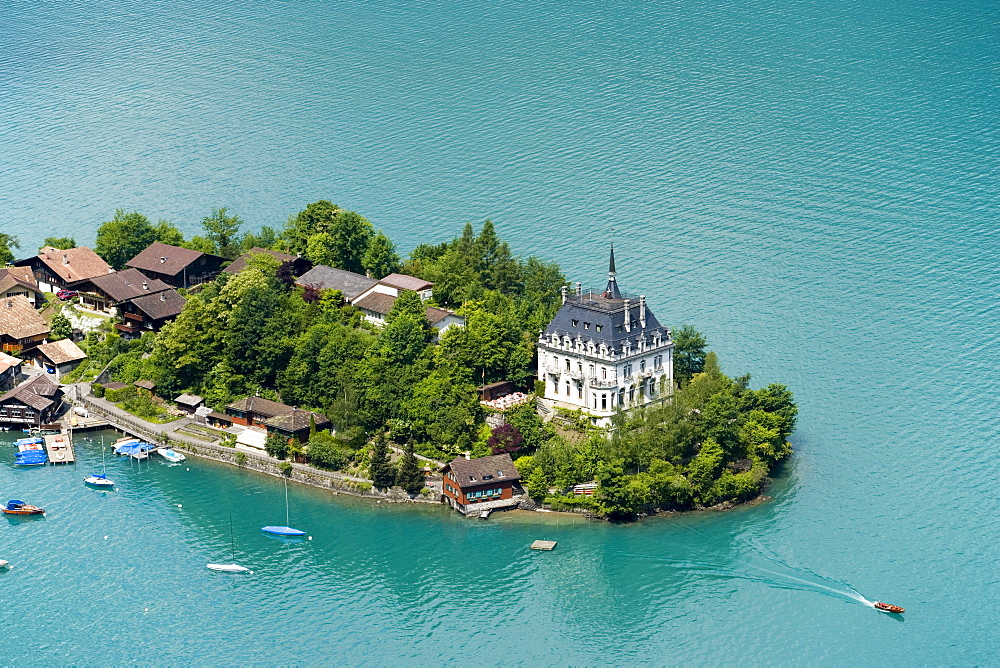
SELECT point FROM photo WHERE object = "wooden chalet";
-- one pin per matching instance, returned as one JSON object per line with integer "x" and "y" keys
{"x": 21, "y": 326}
{"x": 59, "y": 357}
{"x": 300, "y": 265}
{"x": 108, "y": 292}
{"x": 10, "y": 371}
{"x": 20, "y": 282}
{"x": 189, "y": 403}
{"x": 296, "y": 425}
{"x": 32, "y": 403}
{"x": 468, "y": 482}
{"x": 177, "y": 267}
{"x": 276, "y": 418}
{"x": 149, "y": 313}
{"x": 68, "y": 269}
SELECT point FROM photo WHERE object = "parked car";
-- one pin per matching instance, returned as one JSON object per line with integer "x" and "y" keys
{"x": 66, "y": 294}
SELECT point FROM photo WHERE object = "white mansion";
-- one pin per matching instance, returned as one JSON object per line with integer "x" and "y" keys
{"x": 604, "y": 351}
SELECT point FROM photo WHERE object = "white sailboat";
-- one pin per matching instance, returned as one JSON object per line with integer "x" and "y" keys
{"x": 100, "y": 480}
{"x": 233, "y": 567}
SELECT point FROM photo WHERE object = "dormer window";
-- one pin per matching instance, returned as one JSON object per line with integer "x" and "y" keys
{"x": 576, "y": 323}
{"x": 598, "y": 328}
{"x": 499, "y": 474}
{"x": 487, "y": 477}
{"x": 618, "y": 329}
{"x": 586, "y": 325}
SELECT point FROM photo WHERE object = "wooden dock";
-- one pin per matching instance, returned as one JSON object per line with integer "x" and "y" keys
{"x": 59, "y": 448}
{"x": 543, "y": 545}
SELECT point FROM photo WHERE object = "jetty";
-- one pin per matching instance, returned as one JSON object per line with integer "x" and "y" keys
{"x": 59, "y": 448}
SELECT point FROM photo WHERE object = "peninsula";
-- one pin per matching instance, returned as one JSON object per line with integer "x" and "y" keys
{"x": 463, "y": 374}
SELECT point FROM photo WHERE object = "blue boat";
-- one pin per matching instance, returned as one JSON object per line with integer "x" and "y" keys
{"x": 285, "y": 530}
{"x": 138, "y": 449}
{"x": 30, "y": 458}
{"x": 28, "y": 441}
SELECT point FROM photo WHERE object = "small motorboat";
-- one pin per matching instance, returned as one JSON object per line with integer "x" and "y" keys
{"x": 171, "y": 455}
{"x": 4, "y": 564}
{"x": 885, "y": 607}
{"x": 15, "y": 507}
{"x": 136, "y": 449}
{"x": 99, "y": 481}
{"x": 30, "y": 456}
{"x": 229, "y": 568}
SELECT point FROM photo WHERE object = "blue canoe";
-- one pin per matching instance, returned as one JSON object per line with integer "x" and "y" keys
{"x": 283, "y": 531}
{"x": 30, "y": 458}
{"x": 29, "y": 441}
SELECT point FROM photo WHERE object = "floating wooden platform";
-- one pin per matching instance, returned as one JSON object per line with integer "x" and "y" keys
{"x": 543, "y": 545}
{"x": 59, "y": 448}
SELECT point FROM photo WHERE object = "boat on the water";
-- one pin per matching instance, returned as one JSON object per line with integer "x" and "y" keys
{"x": 233, "y": 567}
{"x": 136, "y": 449}
{"x": 31, "y": 456}
{"x": 171, "y": 455}
{"x": 100, "y": 480}
{"x": 15, "y": 507}
{"x": 4, "y": 563}
{"x": 285, "y": 530}
{"x": 33, "y": 443}
{"x": 886, "y": 607}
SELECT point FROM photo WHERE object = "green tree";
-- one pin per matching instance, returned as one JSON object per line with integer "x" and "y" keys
{"x": 123, "y": 237}
{"x": 276, "y": 446}
{"x": 223, "y": 231}
{"x": 61, "y": 328}
{"x": 380, "y": 470}
{"x": 706, "y": 467}
{"x": 62, "y": 243}
{"x": 689, "y": 353}
{"x": 327, "y": 234}
{"x": 535, "y": 484}
{"x": 380, "y": 259}
{"x": 409, "y": 475}
{"x": 7, "y": 241}
{"x": 326, "y": 452}
{"x": 167, "y": 233}
{"x": 315, "y": 218}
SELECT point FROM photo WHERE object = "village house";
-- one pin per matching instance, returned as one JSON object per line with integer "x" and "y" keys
{"x": 21, "y": 326}
{"x": 56, "y": 269}
{"x": 467, "y": 483}
{"x": 300, "y": 265}
{"x": 149, "y": 313}
{"x": 394, "y": 284}
{"x": 350, "y": 285}
{"x": 34, "y": 402}
{"x": 376, "y": 307}
{"x": 10, "y": 371}
{"x": 189, "y": 403}
{"x": 177, "y": 267}
{"x": 59, "y": 357}
{"x": 276, "y": 418}
{"x": 108, "y": 292}
{"x": 604, "y": 351}
{"x": 20, "y": 282}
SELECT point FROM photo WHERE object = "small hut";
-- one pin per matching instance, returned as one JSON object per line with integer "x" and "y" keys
{"x": 189, "y": 403}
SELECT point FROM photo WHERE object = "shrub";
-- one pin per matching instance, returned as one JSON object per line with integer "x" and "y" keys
{"x": 241, "y": 458}
{"x": 97, "y": 390}
{"x": 121, "y": 394}
{"x": 276, "y": 446}
{"x": 285, "y": 467}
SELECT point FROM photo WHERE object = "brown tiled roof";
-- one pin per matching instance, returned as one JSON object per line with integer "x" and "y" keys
{"x": 114, "y": 386}
{"x": 127, "y": 284}
{"x": 74, "y": 264}
{"x": 376, "y": 302}
{"x": 483, "y": 470}
{"x": 38, "y": 392}
{"x": 145, "y": 384}
{"x": 216, "y": 415}
{"x": 188, "y": 400}
{"x": 164, "y": 259}
{"x": 436, "y": 315}
{"x": 240, "y": 263}
{"x": 19, "y": 319}
{"x": 7, "y": 361}
{"x": 328, "y": 278}
{"x": 165, "y": 304}
{"x": 22, "y": 276}
{"x": 260, "y": 406}
{"x": 297, "y": 421}
{"x": 404, "y": 282}
{"x": 62, "y": 351}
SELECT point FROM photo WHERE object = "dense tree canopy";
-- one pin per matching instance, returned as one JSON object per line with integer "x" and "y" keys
{"x": 7, "y": 242}
{"x": 62, "y": 243}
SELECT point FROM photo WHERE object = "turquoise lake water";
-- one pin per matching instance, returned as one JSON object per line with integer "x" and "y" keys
{"x": 812, "y": 184}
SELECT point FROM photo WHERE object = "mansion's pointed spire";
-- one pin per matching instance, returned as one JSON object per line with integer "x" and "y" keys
{"x": 612, "y": 291}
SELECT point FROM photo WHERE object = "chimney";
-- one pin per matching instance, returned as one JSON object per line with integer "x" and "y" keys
{"x": 65, "y": 258}
{"x": 468, "y": 454}
{"x": 163, "y": 259}
{"x": 563, "y": 291}
{"x": 642, "y": 311}
{"x": 628, "y": 317}
{"x": 579, "y": 289}
{"x": 10, "y": 303}
{"x": 145, "y": 285}
{"x": 163, "y": 296}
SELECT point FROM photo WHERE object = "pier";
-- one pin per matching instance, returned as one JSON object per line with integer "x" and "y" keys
{"x": 59, "y": 448}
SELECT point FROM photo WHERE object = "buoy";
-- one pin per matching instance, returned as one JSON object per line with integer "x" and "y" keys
{"x": 189, "y": 468}
{"x": 105, "y": 538}
{"x": 179, "y": 505}
{"x": 310, "y": 537}
{"x": 145, "y": 609}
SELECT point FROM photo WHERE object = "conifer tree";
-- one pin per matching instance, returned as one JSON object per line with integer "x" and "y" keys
{"x": 380, "y": 470}
{"x": 409, "y": 476}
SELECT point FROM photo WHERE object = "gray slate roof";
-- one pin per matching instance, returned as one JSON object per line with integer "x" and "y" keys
{"x": 165, "y": 259}
{"x": 328, "y": 278}
{"x": 165, "y": 304}
{"x": 606, "y": 319}
{"x": 483, "y": 470}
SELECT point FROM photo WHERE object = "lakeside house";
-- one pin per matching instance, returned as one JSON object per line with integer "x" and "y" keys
{"x": 350, "y": 285}
{"x": 300, "y": 265}
{"x": 470, "y": 482}
{"x": 276, "y": 418}
{"x": 68, "y": 269}
{"x": 59, "y": 357}
{"x": 149, "y": 313}
{"x": 32, "y": 403}
{"x": 20, "y": 282}
{"x": 10, "y": 371}
{"x": 177, "y": 267}
{"x": 21, "y": 326}
{"x": 108, "y": 292}
{"x": 604, "y": 351}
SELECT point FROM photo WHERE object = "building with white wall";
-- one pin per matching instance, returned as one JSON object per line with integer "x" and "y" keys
{"x": 604, "y": 351}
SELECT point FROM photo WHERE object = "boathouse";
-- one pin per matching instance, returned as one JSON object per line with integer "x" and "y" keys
{"x": 32, "y": 403}
{"x": 468, "y": 483}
